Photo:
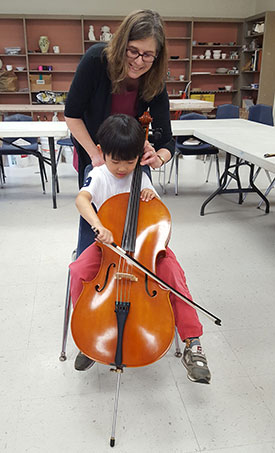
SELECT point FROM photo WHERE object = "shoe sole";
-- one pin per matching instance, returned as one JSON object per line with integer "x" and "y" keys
{"x": 86, "y": 368}
{"x": 198, "y": 381}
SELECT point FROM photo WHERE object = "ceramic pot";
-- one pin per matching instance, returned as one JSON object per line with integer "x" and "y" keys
{"x": 91, "y": 34}
{"x": 44, "y": 44}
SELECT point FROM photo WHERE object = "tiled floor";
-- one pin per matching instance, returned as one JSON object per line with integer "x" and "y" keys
{"x": 228, "y": 256}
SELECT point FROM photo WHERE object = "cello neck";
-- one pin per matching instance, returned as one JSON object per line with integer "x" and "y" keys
{"x": 130, "y": 226}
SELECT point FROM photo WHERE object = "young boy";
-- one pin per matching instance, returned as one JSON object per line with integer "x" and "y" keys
{"x": 121, "y": 141}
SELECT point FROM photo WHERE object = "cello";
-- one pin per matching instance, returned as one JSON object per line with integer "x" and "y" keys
{"x": 122, "y": 317}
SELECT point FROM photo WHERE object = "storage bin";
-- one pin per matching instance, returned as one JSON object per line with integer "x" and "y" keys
{"x": 40, "y": 82}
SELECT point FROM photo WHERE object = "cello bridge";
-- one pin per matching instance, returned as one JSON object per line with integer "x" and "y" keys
{"x": 125, "y": 276}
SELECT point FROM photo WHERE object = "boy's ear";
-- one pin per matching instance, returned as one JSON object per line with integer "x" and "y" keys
{"x": 100, "y": 150}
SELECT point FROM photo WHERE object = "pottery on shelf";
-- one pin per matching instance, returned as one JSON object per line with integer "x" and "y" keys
{"x": 44, "y": 44}
{"x": 106, "y": 34}
{"x": 91, "y": 34}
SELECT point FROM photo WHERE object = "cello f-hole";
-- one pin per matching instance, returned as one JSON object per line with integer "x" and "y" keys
{"x": 154, "y": 293}
{"x": 97, "y": 287}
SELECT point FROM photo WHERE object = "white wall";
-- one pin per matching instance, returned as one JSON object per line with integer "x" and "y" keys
{"x": 264, "y": 5}
{"x": 177, "y": 8}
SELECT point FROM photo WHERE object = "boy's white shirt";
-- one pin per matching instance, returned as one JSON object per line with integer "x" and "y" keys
{"x": 102, "y": 184}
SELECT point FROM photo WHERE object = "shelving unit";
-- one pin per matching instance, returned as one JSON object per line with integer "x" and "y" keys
{"x": 225, "y": 37}
{"x": 185, "y": 38}
{"x": 259, "y": 46}
{"x": 178, "y": 40}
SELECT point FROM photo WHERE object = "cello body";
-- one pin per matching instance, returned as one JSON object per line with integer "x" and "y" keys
{"x": 149, "y": 327}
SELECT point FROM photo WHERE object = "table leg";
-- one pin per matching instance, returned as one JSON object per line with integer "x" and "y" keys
{"x": 223, "y": 181}
{"x": 55, "y": 187}
{"x": 251, "y": 182}
{"x": 235, "y": 175}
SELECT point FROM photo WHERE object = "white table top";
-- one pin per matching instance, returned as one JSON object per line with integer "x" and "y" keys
{"x": 175, "y": 104}
{"x": 190, "y": 104}
{"x": 33, "y": 129}
{"x": 20, "y": 108}
{"x": 242, "y": 138}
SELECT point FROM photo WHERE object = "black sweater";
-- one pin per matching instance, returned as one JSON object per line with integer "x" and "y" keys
{"x": 90, "y": 99}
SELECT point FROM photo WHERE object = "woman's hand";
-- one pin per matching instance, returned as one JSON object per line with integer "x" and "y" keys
{"x": 147, "y": 194}
{"x": 150, "y": 156}
{"x": 97, "y": 160}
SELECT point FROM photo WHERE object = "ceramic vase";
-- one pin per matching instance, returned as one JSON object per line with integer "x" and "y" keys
{"x": 91, "y": 34}
{"x": 44, "y": 44}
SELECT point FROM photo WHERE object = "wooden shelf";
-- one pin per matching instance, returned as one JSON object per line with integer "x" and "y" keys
{"x": 13, "y": 55}
{"x": 176, "y": 81}
{"x": 214, "y": 75}
{"x": 255, "y": 35}
{"x": 177, "y": 38}
{"x": 249, "y": 89}
{"x": 252, "y": 51}
{"x": 14, "y": 92}
{"x": 37, "y": 54}
{"x": 217, "y": 45}
{"x": 61, "y": 71}
{"x": 178, "y": 59}
{"x": 216, "y": 59}
{"x": 213, "y": 91}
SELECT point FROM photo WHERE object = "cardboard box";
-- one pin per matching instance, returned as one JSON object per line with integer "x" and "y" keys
{"x": 204, "y": 97}
{"x": 40, "y": 82}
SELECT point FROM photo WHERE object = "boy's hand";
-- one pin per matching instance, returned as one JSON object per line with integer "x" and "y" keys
{"x": 104, "y": 235}
{"x": 147, "y": 194}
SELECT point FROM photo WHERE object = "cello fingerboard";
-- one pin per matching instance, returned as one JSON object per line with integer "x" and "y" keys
{"x": 130, "y": 226}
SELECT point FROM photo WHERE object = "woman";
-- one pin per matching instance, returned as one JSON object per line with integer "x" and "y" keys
{"x": 125, "y": 76}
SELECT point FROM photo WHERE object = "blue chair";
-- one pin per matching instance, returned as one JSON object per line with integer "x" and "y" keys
{"x": 226, "y": 111}
{"x": 62, "y": 143}
{"x": 262, "y": 113}
{"x": 9, "y": 148}
{"x": 185, "y": 149}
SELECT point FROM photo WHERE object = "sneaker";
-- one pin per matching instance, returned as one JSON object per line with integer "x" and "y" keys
{"x": 82, "y": 362}
{"x": 195, "y": 362}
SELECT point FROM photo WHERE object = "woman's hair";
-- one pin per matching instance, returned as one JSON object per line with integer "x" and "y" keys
{"x": 137, "y": 26}
{"x": 122, "y": 137}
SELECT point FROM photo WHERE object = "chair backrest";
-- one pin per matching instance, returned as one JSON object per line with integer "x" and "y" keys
{"x": 188, "y": 116}
{"x": 227, "y": 111}
{"x": 261, "y": 113}
{"x": 192, "y": 116}
{"x": 86, "y": 236}
{"x": 19, "y": 117}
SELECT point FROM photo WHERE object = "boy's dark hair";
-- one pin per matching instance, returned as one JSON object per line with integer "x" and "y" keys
{"x": 122, "y": 137}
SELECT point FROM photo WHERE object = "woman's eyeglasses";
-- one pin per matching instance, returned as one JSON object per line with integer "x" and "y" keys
{"x": 134, "y": 54}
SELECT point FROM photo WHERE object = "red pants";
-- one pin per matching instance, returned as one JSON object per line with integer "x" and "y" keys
{"x": 168, "y": 269}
